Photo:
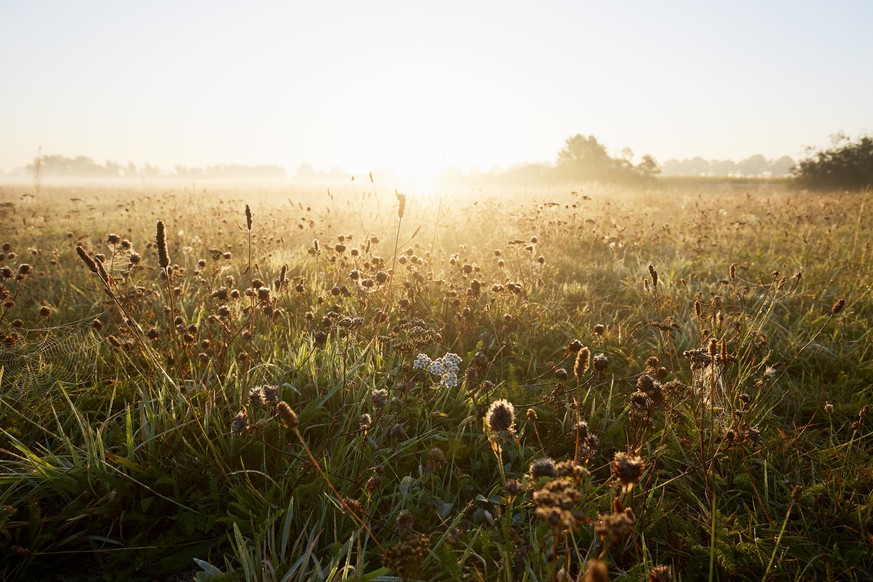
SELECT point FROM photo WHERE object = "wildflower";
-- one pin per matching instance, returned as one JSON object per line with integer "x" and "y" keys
{"x": 501, "y": 416}
{"x": 446, "y": 367}
{"x": 365, "y": 422}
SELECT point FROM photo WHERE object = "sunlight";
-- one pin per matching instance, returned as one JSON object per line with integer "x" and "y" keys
{"x": 415, "y": 130}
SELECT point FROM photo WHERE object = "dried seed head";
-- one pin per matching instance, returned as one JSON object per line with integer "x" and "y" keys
{"x": 614, "y": 526}
{"x": 661, "y": 573}
{"x": 405, "y": 521}
{"x": 379, "y": 398}
{"x": 161, "y": 242}
{"x": 401, "y": 204}
{"x": 654, "y": 275}
{"x": 101, "y": 270}
{"x": 501, "y": 416}
{"x": 542, "y": 468}
{"x": 240, "y": 423}
{"x": 248, "y": 218}
{"x": 600, "y": 363}
{"x": 627, "y": 468}
{"x": 583, "y": 360}
{"x": 733, "y": 270}
{"x": 838, "y": 306}
{"x": 87, "y": 259}
{"x": 596, "y": 571}
{"x": 286, "y": 414}
{"x": 513, "y": 488}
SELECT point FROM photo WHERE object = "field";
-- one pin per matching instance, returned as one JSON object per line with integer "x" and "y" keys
{"x": 270, "y": 384}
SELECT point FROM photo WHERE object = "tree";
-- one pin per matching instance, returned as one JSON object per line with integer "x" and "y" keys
{"x": 845, "y": 165}
{"x": 648, "y": 166}
{"x": 584, "y": 158}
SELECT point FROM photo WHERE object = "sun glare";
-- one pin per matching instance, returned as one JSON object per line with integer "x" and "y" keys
{"x": 415, "y": 130}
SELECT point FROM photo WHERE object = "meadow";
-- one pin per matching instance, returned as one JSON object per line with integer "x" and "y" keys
{"x": 262, "y": 383}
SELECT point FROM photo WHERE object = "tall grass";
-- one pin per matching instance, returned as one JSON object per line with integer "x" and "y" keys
{"x": 664, "y": 384}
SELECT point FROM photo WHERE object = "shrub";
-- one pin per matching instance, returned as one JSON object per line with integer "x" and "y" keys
{"x": 845, "y": 165}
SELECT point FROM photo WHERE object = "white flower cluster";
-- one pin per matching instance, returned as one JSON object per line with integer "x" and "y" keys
{"x": 446, "y": 367}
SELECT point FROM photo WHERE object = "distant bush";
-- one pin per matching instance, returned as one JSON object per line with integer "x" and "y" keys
{"x": 845, "y": 165}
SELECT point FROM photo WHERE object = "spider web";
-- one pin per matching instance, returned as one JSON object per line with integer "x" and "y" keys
{"x": 43, "y": 357}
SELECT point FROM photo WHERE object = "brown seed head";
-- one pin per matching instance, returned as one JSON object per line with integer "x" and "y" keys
{"x": 661, "y": 573}
{"x": 161, "y": 242}
{"x": 401, "y": 204}
{"x": 87, "y": 259}
{"x": 627, "y": 468}
{"x": 500, "y": 416}
{"x": 583, "y": 360}
{"x": 838, "y": 306}
{"x": 248, "y": 218}
{"x": 596, "y": 572}
{"x": 286, "y": 414}
{"x": 654, "y": 275}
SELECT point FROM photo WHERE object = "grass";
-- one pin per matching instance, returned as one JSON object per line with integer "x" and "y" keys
{"x": 723, "y": 434}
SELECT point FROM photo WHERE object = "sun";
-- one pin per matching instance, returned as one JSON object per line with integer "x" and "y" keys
{"x": 416, "y": 130}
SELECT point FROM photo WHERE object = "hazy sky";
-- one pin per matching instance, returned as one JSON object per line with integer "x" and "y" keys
{"x": 415, "y": 85}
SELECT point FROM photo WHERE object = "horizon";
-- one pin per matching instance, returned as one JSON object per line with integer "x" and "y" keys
{"x": 421, "y": 90}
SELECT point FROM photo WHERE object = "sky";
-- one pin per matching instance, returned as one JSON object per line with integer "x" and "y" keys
{"x": 419, "y": 87}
